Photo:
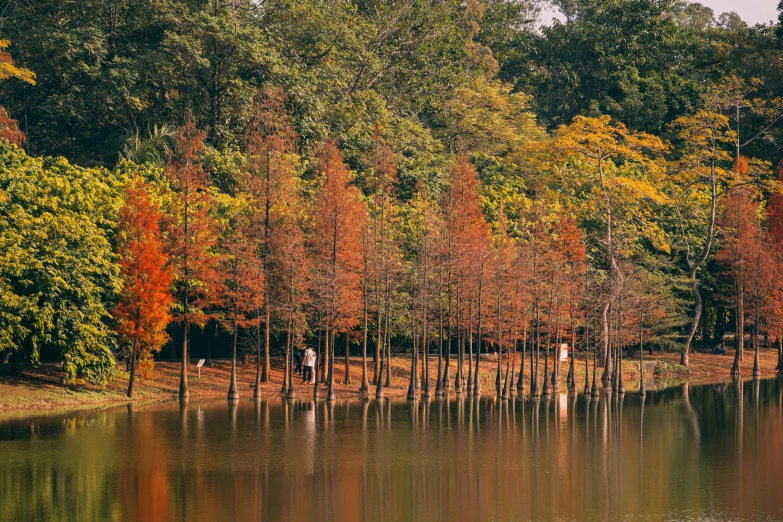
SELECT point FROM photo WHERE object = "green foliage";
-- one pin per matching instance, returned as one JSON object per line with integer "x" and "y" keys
{"x": 58, "y": 270}
{"x": 667, "y": 370}
{"x": 626, "y": 58}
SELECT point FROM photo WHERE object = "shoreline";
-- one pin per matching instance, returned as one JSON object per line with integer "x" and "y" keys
{"x": 40, "y": 389}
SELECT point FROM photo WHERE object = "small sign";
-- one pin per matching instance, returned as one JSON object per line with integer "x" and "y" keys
{"x": 199, "y": 365}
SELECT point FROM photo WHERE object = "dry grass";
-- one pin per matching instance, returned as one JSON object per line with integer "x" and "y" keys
{"x": 39, "y": 388}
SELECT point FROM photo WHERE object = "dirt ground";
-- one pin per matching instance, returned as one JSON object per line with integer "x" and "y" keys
{"x": 41, "y": 387}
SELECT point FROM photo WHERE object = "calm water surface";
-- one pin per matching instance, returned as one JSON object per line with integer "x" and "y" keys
{"x": 689, "y": 453}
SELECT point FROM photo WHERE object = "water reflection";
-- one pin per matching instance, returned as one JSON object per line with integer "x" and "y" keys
{"x": 696, "y": 452}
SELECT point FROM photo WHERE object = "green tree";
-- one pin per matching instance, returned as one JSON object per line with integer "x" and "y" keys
{"x": 59, "y": 277}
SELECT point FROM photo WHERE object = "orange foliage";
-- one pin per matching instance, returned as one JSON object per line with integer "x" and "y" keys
{"x": 193, "y": 232}
{"x": 143, "y": 311}
{"x": 9, "y": 129}
{"x": 340, "y": 218}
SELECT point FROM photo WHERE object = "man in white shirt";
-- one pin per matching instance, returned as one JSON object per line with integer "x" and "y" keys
{"x": 308, "y": 362}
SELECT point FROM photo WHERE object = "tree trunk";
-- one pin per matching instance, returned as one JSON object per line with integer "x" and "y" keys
{"x": 739, "y": 335}
{"x": 233, "y": 393}
{"x": 697, "y": 301}
{"x": 325, "y": 358}
{"x": 756, "y": 367}
{"x": 347, "y": 358}
{"x": 780, "y": 351}
{"x": 267, "y": 370}
{"x": 470, "y": 384}
{"x": 364, "y": 389}
{"x": 330, "y": 396}
{"x": 290, "y": 393}
{"x": 476, "y": 376}
{"x": 521, "y": 381}
{"x": 183, "y": 377}
{"x": 284, "y": 386}
{"x": 412, "y": 384}
{"x": 132, "y": 378}
{"x": 257, "y": 386}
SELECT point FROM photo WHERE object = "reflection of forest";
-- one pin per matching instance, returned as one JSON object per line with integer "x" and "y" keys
{"x": 708, "y": 451}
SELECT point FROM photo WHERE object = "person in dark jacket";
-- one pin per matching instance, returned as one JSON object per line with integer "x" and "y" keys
{"x": 298, "y": 355}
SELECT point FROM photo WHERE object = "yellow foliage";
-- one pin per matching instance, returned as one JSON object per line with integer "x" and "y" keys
{"x": 486, "y": 117}
{"x": 10, "y": 70}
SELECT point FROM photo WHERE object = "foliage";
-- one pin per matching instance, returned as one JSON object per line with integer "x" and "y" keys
{"x": 143, "y": 308}
{"x": 59, "y": 275}
{"x": 447, "y": 174}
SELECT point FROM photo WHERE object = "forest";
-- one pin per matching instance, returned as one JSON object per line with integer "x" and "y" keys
{"x": 443, "y": 178}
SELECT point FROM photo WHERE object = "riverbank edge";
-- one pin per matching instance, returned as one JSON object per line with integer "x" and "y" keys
{"x": 40, "y": 389}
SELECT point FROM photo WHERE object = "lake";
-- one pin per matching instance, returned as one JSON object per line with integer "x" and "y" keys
{"x": 711, "y": 452}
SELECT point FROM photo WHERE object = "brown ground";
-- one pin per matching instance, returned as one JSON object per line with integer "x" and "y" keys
{"x": 39, "y": 388}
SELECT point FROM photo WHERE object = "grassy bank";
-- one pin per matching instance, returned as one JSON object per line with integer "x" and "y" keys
{"x": 41, "y": 388}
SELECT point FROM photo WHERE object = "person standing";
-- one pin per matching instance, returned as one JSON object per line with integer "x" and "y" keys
{"x": 298, "y": 356}
{"x": 308, "y": 361}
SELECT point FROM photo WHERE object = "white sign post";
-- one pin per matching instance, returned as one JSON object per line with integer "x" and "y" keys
{"x": 199, "y": 365}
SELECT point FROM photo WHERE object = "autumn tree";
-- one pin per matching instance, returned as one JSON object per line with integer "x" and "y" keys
{"x": 269, "y": 179}
{"x": 624, "y": 171}
{"x": 143, "y": 311}
{"x": 291, "y": 269}
{"x": 339, "y": 219}
{"x": 192, "y": 238}
{"x": 703, "y": 172}
{"x": 742, "y": 230}
{"x": 8, "y": 69}
{"x": 774, "y": 237}
{"x": 571, "y": 251}
{"x": 240, "y": 279}
{"x": 384, "y": 254}
{"x": 9, "y": 128}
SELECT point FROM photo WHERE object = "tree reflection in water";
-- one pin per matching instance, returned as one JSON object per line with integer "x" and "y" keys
{"x": 671, "y": 454}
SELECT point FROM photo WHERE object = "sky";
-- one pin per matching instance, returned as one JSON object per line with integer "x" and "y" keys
{"x": 751, "y": 11}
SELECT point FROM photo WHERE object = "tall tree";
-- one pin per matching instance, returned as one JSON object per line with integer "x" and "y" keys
{"x": 143, "y": 311}
{"x": 269, "y": 178}
{"x": 59, "y": 278}
{"x": 741, "y": 223}
{"x": 240, "y": 280}
{"x": 703, "y": 173}
{"x": 624, "y": 170}
{"x": 385, "y": 255}
{"x": 192, "y": 237}
{"x": 339, "y": 219}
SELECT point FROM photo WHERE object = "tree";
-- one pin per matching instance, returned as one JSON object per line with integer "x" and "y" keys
{"x": 743, "y": 231}
{"x": 384, "y": 255}
{"x": 703, "y": 173}
{"x": 8, "y": 69}
{"x": 239, "y": 280}
{"x": 624, "y": 170}
{"x": 774, "y": 305}
{"x": 269, "y": 178}
{"x": 143, "y": 311}
{"x": 58, "y": 278}
{"x": 193, "y": 234}
{"x": 629, "y": 59}
{"x": 464, "y": 260}
{"x": 9, "y": 128}
{"x": 339, "y": 218}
